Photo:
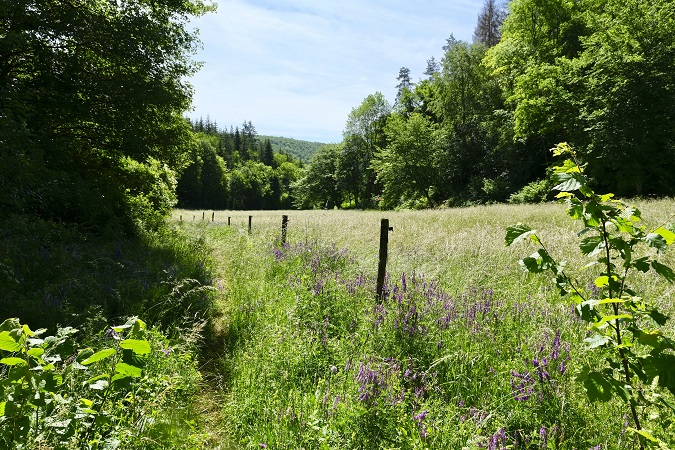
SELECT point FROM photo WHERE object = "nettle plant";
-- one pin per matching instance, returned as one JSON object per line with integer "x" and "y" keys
{"x": 638, "y": 360}
{"x": 53, "y": 392}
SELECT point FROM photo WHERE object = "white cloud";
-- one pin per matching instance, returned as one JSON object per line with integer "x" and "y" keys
{"x": 296, "y": 68}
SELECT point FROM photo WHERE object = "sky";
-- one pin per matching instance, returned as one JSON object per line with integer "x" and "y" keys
{"x": 296, "y": 68}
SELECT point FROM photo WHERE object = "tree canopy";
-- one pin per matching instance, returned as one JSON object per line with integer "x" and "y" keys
{"x": 91, "y": 93}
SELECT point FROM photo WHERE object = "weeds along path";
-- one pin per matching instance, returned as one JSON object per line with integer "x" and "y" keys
{"x": 465, "y": 351}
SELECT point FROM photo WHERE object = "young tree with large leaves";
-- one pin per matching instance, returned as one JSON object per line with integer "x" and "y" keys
{"x": 88, "y": 91}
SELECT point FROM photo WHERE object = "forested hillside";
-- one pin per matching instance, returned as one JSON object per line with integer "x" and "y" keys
{"x": 478, "y": 126}
{"x": 236, "y": 169}
{"x": 302, "y": 150}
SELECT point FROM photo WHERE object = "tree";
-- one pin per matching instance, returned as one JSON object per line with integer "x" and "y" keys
{"x": 404, "y": 89}
{"x": 598, "y": 75}
{"x": 88, "y": 90}
{"x": 363, "y": 133}
{"x": 432, "y": 68}
{"x": 489, "y": 23}
{"x": 318, "y": 187}
{"x": 406, "y": 167}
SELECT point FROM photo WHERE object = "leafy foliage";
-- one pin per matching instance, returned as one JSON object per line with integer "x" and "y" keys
{"x": 620, "y": 322}
{"x": 90, "y": 91}
{"x": 57, "y": 393}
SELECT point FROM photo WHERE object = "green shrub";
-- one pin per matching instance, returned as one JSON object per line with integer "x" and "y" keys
{"x": 134, "y": 387}
{"x": 534, "y": 192}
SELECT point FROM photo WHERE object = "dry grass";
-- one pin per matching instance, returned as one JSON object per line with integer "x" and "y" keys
{"x": 460, "y": 247}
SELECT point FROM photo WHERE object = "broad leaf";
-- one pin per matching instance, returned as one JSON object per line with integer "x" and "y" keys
{"x": 663, "y": 366}
{"x": 597, "y": 387}
{"x": 645, "y": 434}
{"x": 663, "y": 270}
{"x": 591, "y": 245}
{"x": 596, "y": 340}
{"x": 657, "y": 241}
{"x": 127, "y": 370}
{"x": 516, "y": 233}
{"x": 8, "y": 343}
{"x": 99, "y": 385}
{"x": 568, "y": 181}
{"x": 666, "y": 234}
{"x": 99, "y": 356}
{"x": 138, "y": 346}
{"x": 13, "y": 361}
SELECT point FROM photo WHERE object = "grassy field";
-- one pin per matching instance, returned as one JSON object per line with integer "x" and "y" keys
{"x": 466, "y": 351}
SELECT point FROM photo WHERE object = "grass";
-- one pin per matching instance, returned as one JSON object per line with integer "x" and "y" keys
{"x": 55, "y": 276}
{"x": 466, "y": 351}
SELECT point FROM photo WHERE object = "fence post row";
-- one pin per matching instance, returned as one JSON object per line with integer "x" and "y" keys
{"x": 382, "y": 266}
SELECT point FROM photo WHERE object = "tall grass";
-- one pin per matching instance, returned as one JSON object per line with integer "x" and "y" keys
{"x": 466, "y": 351}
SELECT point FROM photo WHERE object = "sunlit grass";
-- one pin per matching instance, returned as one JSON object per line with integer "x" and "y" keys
{"x": 309, "y": 359}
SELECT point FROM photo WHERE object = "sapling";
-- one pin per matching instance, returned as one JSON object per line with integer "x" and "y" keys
{"x": 624, "y": 326}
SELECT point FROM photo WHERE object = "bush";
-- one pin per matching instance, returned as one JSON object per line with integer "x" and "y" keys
{"x": 534, "y": 192}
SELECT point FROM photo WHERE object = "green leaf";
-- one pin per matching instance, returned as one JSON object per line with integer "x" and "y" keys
{"x": 36, "y": 352}
{"x": 666, "y": 234}
{"x": 8, "y": 343}
{"x": 661, "y": 365}
{"x": 138, "y": 346}
{"x": 657, "y": 241}
{"x": 84, "y": 354}
{"x": 645, "y": 434}
{"x": 568, "y": 182}
{"x": 663, "y": 270}
{"x": 592, "y": 245}
{"x": 127, "y": 370}
{"x": 2, "y": 408}
{"x": 10, "y": 324}
{"x": 658, "y": 317}
{"x": 13, "y": 361}
{"x": 516, "y": 233}
{"x": 606, "y": 319}
{"x": 596, "y": 341}
{"x": 597, "y": 387}
{"x": 138, "y": 329}
{"x": 642, "y": 264}
{"x": 99, "y": 356}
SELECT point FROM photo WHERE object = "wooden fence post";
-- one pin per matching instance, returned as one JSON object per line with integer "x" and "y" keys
{"x": 228, "y": 221}
{"x": 203, "y": 215}
{"x": 284, "y": 228}
{"x": 213, "y": 216}
{"x": 250, "y": 221}
{"x": 382, "y": 266}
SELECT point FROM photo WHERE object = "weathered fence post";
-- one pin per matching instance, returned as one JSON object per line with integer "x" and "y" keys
{"x": 213, "y": 216}
{"x": 228, "y": 221}
{"x": 284, "y": 228}
{"x": 382, "y": 266}
{"x": 193, "y": 217}
{"x": 203, "y": 215}
{"x": 250, "y": 221}
{"x": 181, "y": 218}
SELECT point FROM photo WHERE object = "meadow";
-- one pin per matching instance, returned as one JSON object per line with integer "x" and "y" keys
{"x": 465, "y": 351}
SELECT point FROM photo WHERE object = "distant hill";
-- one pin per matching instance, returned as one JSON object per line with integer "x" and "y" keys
{"x": 300, "y": 149}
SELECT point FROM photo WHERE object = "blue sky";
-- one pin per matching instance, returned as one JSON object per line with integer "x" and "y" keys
{"x": 296, "y": 68}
